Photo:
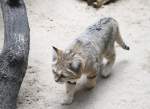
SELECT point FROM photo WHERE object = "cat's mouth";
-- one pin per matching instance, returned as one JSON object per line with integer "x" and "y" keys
{"x": 59, "y": 81}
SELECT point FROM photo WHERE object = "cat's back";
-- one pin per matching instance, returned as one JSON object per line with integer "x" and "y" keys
{"x": 95, "y": 36}
{"x": 100, "y": 31}
{"x": 104, "y": 25}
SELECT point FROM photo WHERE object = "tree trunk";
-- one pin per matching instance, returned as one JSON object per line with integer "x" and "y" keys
{"x": 14, "y": 56}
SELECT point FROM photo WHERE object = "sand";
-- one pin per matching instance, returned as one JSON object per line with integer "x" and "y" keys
{"x": 58, "y": 22}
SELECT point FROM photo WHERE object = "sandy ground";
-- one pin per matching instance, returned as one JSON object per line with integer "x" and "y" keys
{"x": 58, "y": 22}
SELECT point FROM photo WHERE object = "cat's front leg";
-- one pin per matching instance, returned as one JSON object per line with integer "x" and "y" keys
{"x": 91, "y": 81}
{"x": 70, "y": 90}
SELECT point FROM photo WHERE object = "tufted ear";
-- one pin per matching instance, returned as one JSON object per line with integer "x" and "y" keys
{"x": 56, "y": 54}
{"x": 75, "y": 66}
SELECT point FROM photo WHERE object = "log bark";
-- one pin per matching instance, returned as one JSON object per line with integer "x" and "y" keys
{"x": 14, "y": 56}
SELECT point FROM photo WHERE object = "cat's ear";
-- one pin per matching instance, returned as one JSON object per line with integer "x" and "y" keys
{"x": 75, "y": 66}
{"x": 55, "y": 54}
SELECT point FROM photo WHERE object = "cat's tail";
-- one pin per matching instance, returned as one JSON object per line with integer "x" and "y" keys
{"x": 120, "y": 41}
{"x": 13, "y": 3}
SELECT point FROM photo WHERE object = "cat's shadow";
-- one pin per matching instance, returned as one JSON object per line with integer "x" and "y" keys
{"x": 84, "y": 97}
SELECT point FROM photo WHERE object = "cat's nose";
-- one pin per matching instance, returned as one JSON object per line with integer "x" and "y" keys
{"x": 57, "y": 80}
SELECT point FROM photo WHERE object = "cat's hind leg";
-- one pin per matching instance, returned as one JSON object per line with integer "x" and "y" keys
{"x": 110, "y": 56}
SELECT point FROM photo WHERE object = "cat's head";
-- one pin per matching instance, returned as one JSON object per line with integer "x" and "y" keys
{"x": 66, "y": 66}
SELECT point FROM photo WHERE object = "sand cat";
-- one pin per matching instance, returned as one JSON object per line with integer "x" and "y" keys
{"x": 98, "y": 3}
{"x": 85, "y": 56}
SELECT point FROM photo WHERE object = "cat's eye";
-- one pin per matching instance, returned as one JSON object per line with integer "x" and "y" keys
{"x": 53, "y": 71}
{"x": 63, "y": 76}
{"x": 72, "y": 77}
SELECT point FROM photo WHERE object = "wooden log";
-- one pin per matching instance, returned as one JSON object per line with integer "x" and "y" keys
{"x": 14, "y": 56}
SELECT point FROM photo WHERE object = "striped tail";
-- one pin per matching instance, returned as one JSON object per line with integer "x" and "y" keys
{"x": 120, "y": 41}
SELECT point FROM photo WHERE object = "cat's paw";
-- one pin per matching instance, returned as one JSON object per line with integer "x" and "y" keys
{"x": 90, "y": 84}
{"x": 105, "y": 74}
{"x": 89, "y": 87}
{"x": 67, "y": 101}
